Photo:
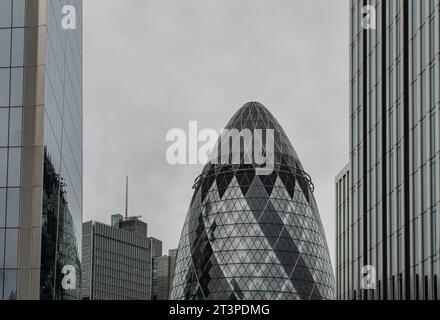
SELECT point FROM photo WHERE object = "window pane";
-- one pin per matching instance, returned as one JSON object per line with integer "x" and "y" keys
{"x": 5, "y": 13}
{"x": 11, "y": 248}
{"x": 1, "y": 284}
{"x": 4, "y": 87}
{"x": 14, "y": 167}
{"x": 16, "y": 87}
{"x": 4, "y": 117}
{"x": 10, "y": 287}
{"x": 5, "y": 47}
{"x": 17, "y": 47}
{"x": 2, "y": 251}
{"x": 15, "y": 127}
{"x": 2, "y": 212}
{"x": 19, "y": 11}
{"x": 13, "y": 207}
{"x": 3, "y": 166}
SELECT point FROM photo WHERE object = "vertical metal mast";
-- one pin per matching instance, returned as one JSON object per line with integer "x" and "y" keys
{"x": 126, "y": 197}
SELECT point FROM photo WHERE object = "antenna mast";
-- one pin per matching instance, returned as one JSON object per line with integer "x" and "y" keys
{"x": 126, "y": 197}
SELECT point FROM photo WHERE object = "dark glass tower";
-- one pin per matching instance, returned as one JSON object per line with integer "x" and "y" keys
{"x": 249, "y": 236}
{"x": 40, "y": 148}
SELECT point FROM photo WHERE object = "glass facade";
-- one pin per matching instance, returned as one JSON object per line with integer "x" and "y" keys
{"x": 40, "y": 149}
{"x": 254, "y": 237}
{"x": 12, "y": 23}
{"x": 116, "y": 264}
{"x": 162, "y": 277}
{"x": 392, "y": 223}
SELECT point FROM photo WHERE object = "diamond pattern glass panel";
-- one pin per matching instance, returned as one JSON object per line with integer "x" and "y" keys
{"x": 251, "y": 237}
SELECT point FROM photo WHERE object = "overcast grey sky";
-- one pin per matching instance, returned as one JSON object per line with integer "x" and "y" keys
{"x": 154, "y": 65}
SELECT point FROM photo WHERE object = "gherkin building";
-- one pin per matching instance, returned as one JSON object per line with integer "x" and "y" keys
{"x": 249, "y": 236}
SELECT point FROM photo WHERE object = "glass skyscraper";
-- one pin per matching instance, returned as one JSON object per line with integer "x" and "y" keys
{"x": 249, "y": 236}
{"x": 388, "y": 197}
{"x": 40, "y": 149}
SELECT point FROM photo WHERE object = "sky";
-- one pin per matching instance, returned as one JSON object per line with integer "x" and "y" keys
{"x": 154, "y": 65}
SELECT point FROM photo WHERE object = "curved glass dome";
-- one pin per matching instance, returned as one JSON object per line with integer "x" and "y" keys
{"x": 254, "y": 237}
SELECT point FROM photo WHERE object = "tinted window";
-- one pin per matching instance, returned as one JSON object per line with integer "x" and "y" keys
{"x": 19, "y": 11}
{"x": 3, "y": 166}
{"x": 5, "y": 47}
{"x": 5, "y": 13}
{"x": 13, "y": 207}
{"x": 4, "y": 117}
{"x": 10, "y": 285}
{"x": 15, "y": 127}
{"x": 2, "y": 250}
{"x": 17, "y": 47}
{"x": 14, "y": 167}
{"x": 11, "y": 248}
{"x": 16, "y": 87}
{"x": 2, "y": 213}
{"x": 4, "y": 87}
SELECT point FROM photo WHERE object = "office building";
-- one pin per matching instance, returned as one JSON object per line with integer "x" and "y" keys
{"x": 388, "y": 197}
{"x": 162, "y": 270}
{"x": 249, "y": 236}
{"x": 172, "y": 252}
{"x": 41, "y": 149}
{"x": 116, "y": 264}
{"x": 116, "y": 220}
{"x": 135, "y": 225}
{"x": 162, "y": 277}
{"x": 156, "y": 247}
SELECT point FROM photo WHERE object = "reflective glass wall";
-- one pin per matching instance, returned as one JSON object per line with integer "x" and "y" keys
{"x": 62, "y": 197}
{"x": 12, "y": 21}
{"x": 393, "y": 222}
{"x": 40, "y": 148}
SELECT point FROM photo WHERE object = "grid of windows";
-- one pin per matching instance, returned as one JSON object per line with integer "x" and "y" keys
{"x": 394, "y": 160}
{"x": 343, "y": 230}
{"x": 40, "y": 148}
{"x": 116, "y": 263}
{"x": 162, "y": 277}
{"x": 11, "y": 106}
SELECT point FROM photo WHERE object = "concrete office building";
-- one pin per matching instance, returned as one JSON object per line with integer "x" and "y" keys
{"x": 41, "y": 149}
{"x": 116, "y": 264}
{"x": 388, "y": 198}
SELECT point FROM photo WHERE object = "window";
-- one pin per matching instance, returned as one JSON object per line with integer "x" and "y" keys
{"x": 11, "y": 248}
{"x": 2, "y": 250}
{"x": 15, "y": 127}
{"x": 13, "y": 207}
{"x": 14, "y": 167}
{"x": 10, "y": 285}
{"x": 3, "y": 166}
{"x": 4, "y": 87}
{"x": 5, "y": 13}
{"x": 5, "y": 47}
{"x": 18, "y": 13}
{"x": 2, "y": 211}
{"x": 16, "y": 87}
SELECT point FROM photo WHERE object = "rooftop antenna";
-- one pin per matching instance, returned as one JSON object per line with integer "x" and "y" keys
{"x": 126, "y": 197}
